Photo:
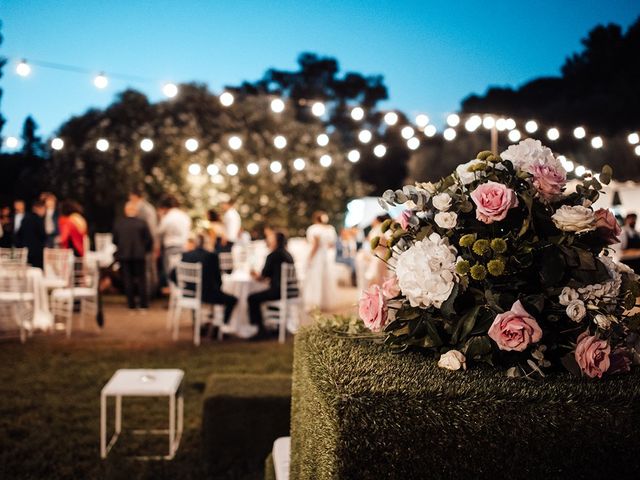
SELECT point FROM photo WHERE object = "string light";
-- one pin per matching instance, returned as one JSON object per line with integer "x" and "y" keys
{"x": 579, "y": 132}
{"x": 277, "y": 105}
{"x": 365, "y": 136}
{"x": 580, "y": 170}
{"x": 449, "y": 134}
{"x": 510, "y": 124}
{"x": 379, "y": 151}
{"x": 194, "y": 169}
{"x": 596, "y": 142}
{"x": 23, "y": 68}
{"x": 226, "y": 99}
{"x": 191, "y": 144}
{"x": 501, "y": 124}
{"x": 391, "y": 118}
{"x": 567, "y": 164}
{"x": 146, "y": 144}
{"x": 235, "y": 142}
{"x": 407, "y": 132}
{"x": 318, "y": 109}
{"x": 232, "y": 169}
{"x": 637, "y": 150}
{"x": 422, "y": 120}
{"x": 531, "y": 126}
{"x": 488, "y": 122}
{"x": 170, "y": 90}
{"x": 326, "y": 160}
{"x": 472, "y": 123}
{"x": 430, "y": 130}
{"x": 11, "y": 142}
{"x": 213, "y": 169}
{"x": 101, "y": 81}
{"x": 453, "y": 120}
{"x": 322, "y": 140}
{"x": 280, "y": 142}
{"x": 353, "y": 156}
{"x": 553, "y": 134}
{"x": 253, "y": 168}
{"x": 633, "y": 138}
{"x": 413, "y": 143}
{"x": 102, "y": 144}
{"x": 514, "y": 135}
{"x": 276, "y": 166}
{"x": 357, "y": 113}
{"x": 57, "y": 143}
{"x": 299, "y": 164}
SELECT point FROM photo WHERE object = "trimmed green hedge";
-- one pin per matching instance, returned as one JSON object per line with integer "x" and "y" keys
{"x": 362, "y": 412}
{"x": 242, "y": 416}
{"x": 269, "y": 468}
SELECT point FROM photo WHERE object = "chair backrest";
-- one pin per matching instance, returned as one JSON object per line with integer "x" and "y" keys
{"x": 86, "y": 273}
{"x": 173, "y": 261}
{"x": 102, "y": 241}
{"x": 58, "y": 264}
{"x": 14, "y": 255}
{"x": 13, "y": 278}
{"x": 226, "y": 261}
{"x": 14, "y": 307}
{"x": 289, "y": 285}
{"x": 189, "y": 279}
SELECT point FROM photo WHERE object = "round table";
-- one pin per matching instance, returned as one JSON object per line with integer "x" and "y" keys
{"x": 240, "y": 284}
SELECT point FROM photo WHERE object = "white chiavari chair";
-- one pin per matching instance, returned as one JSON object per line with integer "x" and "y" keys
{"x": 189, "y": 284}
{"x": 16, "y": 301}
{"x": 285, "y": 313}
{"x": 16, "y": 256}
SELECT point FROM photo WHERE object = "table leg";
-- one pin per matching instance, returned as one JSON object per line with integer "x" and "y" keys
{"x": 172, "y": 424}
{"x": 103, "y": 426}
{"x": 180, "y": 414}
{"x": 118, "y": 414}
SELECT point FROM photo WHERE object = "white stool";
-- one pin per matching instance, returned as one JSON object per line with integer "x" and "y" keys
{"x": 281, "y": 457}
{"x": 143, "y": 383}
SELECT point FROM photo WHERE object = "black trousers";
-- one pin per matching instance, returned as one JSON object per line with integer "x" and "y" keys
{"x": 257, "y": 299}
{"x": 134, "y": 279}
{"x": 220, "y": 298}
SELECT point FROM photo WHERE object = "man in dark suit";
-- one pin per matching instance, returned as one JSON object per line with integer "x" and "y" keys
{"x": 132, "y": 237}
{"x": 271, "y": 273}
{"x": 212, "y": 293}
{"x": 32, "y": 234}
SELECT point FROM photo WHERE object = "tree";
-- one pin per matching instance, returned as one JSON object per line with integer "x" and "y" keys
{"x": 3, "y": 62}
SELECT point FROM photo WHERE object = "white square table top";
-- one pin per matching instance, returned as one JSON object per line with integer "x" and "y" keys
{"x": 144, "y": 382}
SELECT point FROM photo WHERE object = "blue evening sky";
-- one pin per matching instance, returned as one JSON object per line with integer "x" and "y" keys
{"x": 431, "y": 53}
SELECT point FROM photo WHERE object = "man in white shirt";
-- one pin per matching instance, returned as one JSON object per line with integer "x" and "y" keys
{"x": 232, "y": 221}
{"x": 173, "y": 231}
{"x": 18, "y": 215}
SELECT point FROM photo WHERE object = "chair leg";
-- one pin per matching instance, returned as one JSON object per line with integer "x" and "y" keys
{"x": 69, "y": 319}
{"x": 177, "y": 313}
{"x": 170, "y": 311}
{"x": 196, "y": 327}
{"x": 282, "y": 328}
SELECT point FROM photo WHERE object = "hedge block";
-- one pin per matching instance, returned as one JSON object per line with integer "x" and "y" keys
{"x": 242, "y": 416}
{"x": 269, "y": 469}
{"x": 360, "y": 411}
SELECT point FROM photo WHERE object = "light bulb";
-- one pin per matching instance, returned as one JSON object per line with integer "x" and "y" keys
{"x": 235, "y": 142}
{"x": 226, "y": 99}
{"x": 322, "y": 140}
{"x": 102, "y": 144}
{"x": 277, "y": 105}
{"x": 380, "y": 151}
{"x": 170, "y": 90}
{"x": 57, "y": 143}
{"x": 453, "y": 120}
{"x": 407, "y": 132}
{"x": 391, "y": 118}
{"x": 280, "y": 142}
{"x": 146, "y": 144}
{"x": 191, "y": 144}
{"x": 357, "y": 113}
{"x": 232, "y": 169}
{"x": 449, "y": 134}
{"x": 430, "y": 130}
{"x": 23, "y": 68}
{"x": 365, "y": 136}
{"x": 422, "y": 120}
{"x": 553, "y": 134}
{"x": 413, "y": 143}
{"x": 326, "y": 160}
{"x": 194, "y": 169}
{"x": 596, "y": 142}
{"x": 101, "y": 81}
{"x": 579, "y": 132}
{"x": 353, "y": 156}
{"x": 531, "y": 126}
{"x": 276, "y": 166}
{"x": 299, "y": 164}
{"x": 318, "y": 109}
{"x": 253, "y": 168}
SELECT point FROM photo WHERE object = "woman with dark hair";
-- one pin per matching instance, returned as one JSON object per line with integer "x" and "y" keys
{"x": 72, "y": 227}
{"x": 217, "y": 232}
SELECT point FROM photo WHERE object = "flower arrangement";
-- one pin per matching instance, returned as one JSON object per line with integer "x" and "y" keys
{"x": 497, "y": 264}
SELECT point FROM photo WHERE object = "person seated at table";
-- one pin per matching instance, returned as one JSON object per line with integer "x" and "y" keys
{"x": 212, "y": 293}
{"x": 217, "y": 232}
{"x": 271, "y": 273}
{"x": 32, "y": 234}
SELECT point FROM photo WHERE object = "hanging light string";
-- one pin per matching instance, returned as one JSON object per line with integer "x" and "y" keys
{"x": 472, "y": 122}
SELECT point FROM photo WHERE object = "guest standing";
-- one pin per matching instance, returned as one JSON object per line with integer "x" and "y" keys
{"x": 630, "y": 243}
{"x": 320, "y": 287}
{"x": 146, "y": 212}
{"x": 6, "y": 223}
{"x": 73, "y": 227}
{"x": 32, "y": 234}
{"x": 217, "y": 232}
{"x": 50, "y": 218}
{"x": 132, "y": 237}
{"x": 173, "y": 231}
{"x": 232, "y": 222}
{"x": 271, "y": 273}
{"x": 18, "y": 216}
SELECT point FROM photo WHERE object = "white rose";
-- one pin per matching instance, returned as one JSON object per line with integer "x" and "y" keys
{"x": 446, "y": 219}
{"x": 576, "y": 219}
{"x": 603, "y": 321}
{"x": 576, "y": 310}
{"x": 452, "y": 360}
{"x": 426, "y": 272}
{"x": 442, "y": 201}
{"x": 568, "y": 295}
{"x": 528, "y": 153}
{"x": 466, "y": 177}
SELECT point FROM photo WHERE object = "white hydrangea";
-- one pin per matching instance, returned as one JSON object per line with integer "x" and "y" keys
{"x": 528, "y": 153}
{"x": 426, "y": 272}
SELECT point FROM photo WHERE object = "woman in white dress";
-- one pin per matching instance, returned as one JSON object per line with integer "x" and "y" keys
{"x": 320, "y": 285}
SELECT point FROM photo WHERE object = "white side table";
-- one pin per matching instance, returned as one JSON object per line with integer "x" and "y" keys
{"x": 143, "y": 383}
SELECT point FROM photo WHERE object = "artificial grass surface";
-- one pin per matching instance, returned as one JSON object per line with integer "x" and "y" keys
{"x": 49, "y": 405}
{"x": 359, "y": 411}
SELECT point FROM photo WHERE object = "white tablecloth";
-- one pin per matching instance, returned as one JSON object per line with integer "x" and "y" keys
{"x": 42, "y": 317}
{"x": 241, "y": 285}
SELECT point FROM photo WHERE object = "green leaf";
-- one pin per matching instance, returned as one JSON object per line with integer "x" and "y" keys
{"x": 465, "y": 324}
{"x": 447, "y": 307}
{"x": 477, "y": 347}
{"x": 528, "y": 201}
{"x": 436, "y": 341}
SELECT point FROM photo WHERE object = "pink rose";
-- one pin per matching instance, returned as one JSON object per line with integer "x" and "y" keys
{"x": 515, "y": 329}
{"x": 607, "y": 226}
{"x": 549, "y": 179}
{"x": 592, "y": 355}
{"x": 404, "y": 218}
{"x": 493, "y": 201}
{"x": 390, "y": 288}
{"x": 373, "y": 309}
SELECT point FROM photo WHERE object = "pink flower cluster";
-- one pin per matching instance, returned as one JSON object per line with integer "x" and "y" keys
{"x": 592, "y": 355}
{"x": 372, "y": 306}
{"x": 493, "y": 201}
{"x": 548, "y": 179}
{"x": 607, "y": 226}
{"x": 515, "y": 329}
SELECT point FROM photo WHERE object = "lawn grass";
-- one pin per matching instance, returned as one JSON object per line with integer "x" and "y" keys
{"x": 49, "y": 404}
